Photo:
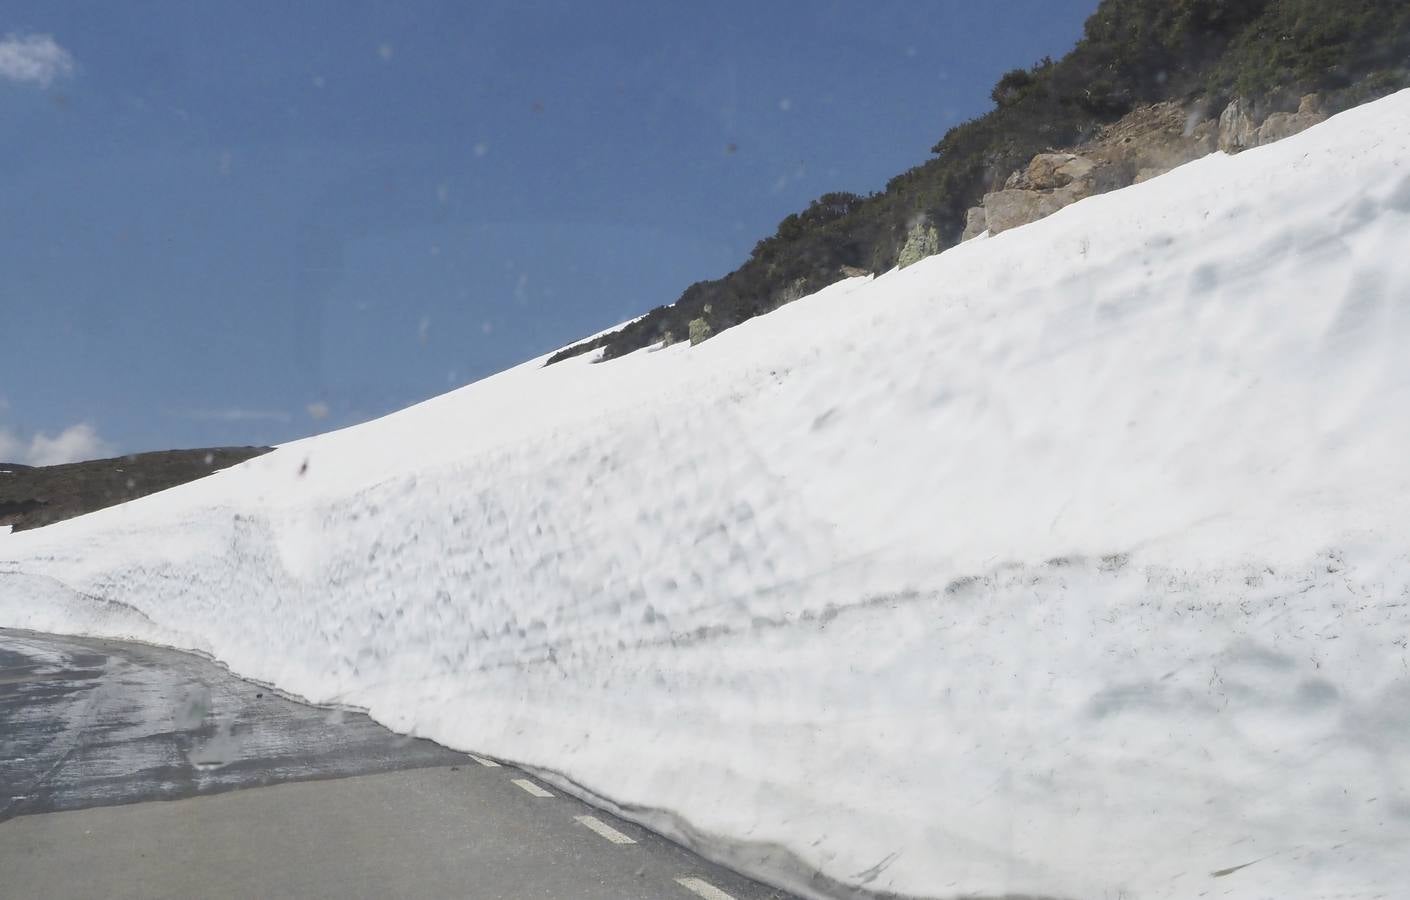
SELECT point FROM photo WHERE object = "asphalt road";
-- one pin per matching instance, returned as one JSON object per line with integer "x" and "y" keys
{"x": 135, "y": 771}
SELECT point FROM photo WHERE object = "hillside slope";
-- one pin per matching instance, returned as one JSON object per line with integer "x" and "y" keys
{"x": 1199, "y": 54}
{"x": 34, "y": 496}
{"x": 1070, "y": 562}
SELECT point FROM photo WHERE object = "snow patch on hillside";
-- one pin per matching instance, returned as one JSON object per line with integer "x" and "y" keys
{"x": 1070, "y": 562}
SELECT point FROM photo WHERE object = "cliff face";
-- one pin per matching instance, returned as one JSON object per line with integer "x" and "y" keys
{"x": 1147, "y": 142}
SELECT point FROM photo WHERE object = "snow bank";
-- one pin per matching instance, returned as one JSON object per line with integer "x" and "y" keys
{"x": 1070, "y": 562}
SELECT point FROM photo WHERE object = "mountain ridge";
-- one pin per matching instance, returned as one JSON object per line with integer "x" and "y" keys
{"x": 1203, "y": 54}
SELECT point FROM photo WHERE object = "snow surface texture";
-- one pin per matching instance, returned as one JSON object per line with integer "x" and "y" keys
{"x": 1070, "y": 562}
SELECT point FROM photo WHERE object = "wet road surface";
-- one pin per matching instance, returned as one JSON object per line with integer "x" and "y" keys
{"x": 91, "y": 732}
{"x": 95, "y": 723}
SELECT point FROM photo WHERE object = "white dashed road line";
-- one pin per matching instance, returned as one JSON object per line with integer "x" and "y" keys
{"x": 698, "y": 886}
{"x": 487, "y": 763}
{"x": 604, "y": 829}
{"x": 703, "y": 888}
{"x": 531, "y": 788}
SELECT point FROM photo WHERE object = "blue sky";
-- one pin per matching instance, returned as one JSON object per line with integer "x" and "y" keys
{"x": 247, "y": 222}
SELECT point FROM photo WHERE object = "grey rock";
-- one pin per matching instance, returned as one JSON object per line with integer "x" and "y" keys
{"x": 794, "y": 290}
{"x": 1011, "y": 208}
{"x": 976, "y": 223}
{"x": 1280, "y": 125}
{"x": 1238, "y": 129}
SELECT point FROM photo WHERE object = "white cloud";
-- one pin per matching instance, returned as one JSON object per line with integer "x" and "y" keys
{"x": 73, "y": 444}
{"x": 34, "y": 59}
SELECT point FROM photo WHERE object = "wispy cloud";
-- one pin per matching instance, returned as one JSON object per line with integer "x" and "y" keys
{"x": 73, "y": 444}
{"x": 236, "y": 414}
{"x": 34, "y": 59}
{"x": 11, "y": 448}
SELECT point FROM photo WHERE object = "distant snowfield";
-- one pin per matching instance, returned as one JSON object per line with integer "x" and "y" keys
{"x": 1072, "y": 562}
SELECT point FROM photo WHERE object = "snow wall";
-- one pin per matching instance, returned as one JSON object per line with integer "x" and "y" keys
{"x": 1072, "y": 562}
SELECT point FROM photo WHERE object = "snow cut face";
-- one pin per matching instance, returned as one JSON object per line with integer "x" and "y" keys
{"x": 1070, "y": 562}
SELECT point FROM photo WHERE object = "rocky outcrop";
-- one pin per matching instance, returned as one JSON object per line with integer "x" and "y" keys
{"x": 1241, "y": 129}
{"x": 1009, "y": 209}
{"x": 1145, "y": 143}
{"x": 700, "y": 330}
{"x": 1151, "y": 141}
{"x": 1051, "y": 181}
{"x": 1053, "y": 171}
{"x": 921, "y": 241}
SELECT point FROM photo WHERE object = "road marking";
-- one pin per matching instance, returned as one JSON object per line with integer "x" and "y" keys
{"x": 703, "y": 888}
{"x": 532, "y": 788}
{"x": 487, "y": 763}
{"x": 605, "y": 830}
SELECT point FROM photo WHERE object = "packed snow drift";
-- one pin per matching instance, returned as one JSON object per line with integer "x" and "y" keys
{"x": 1072, "y": 562}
